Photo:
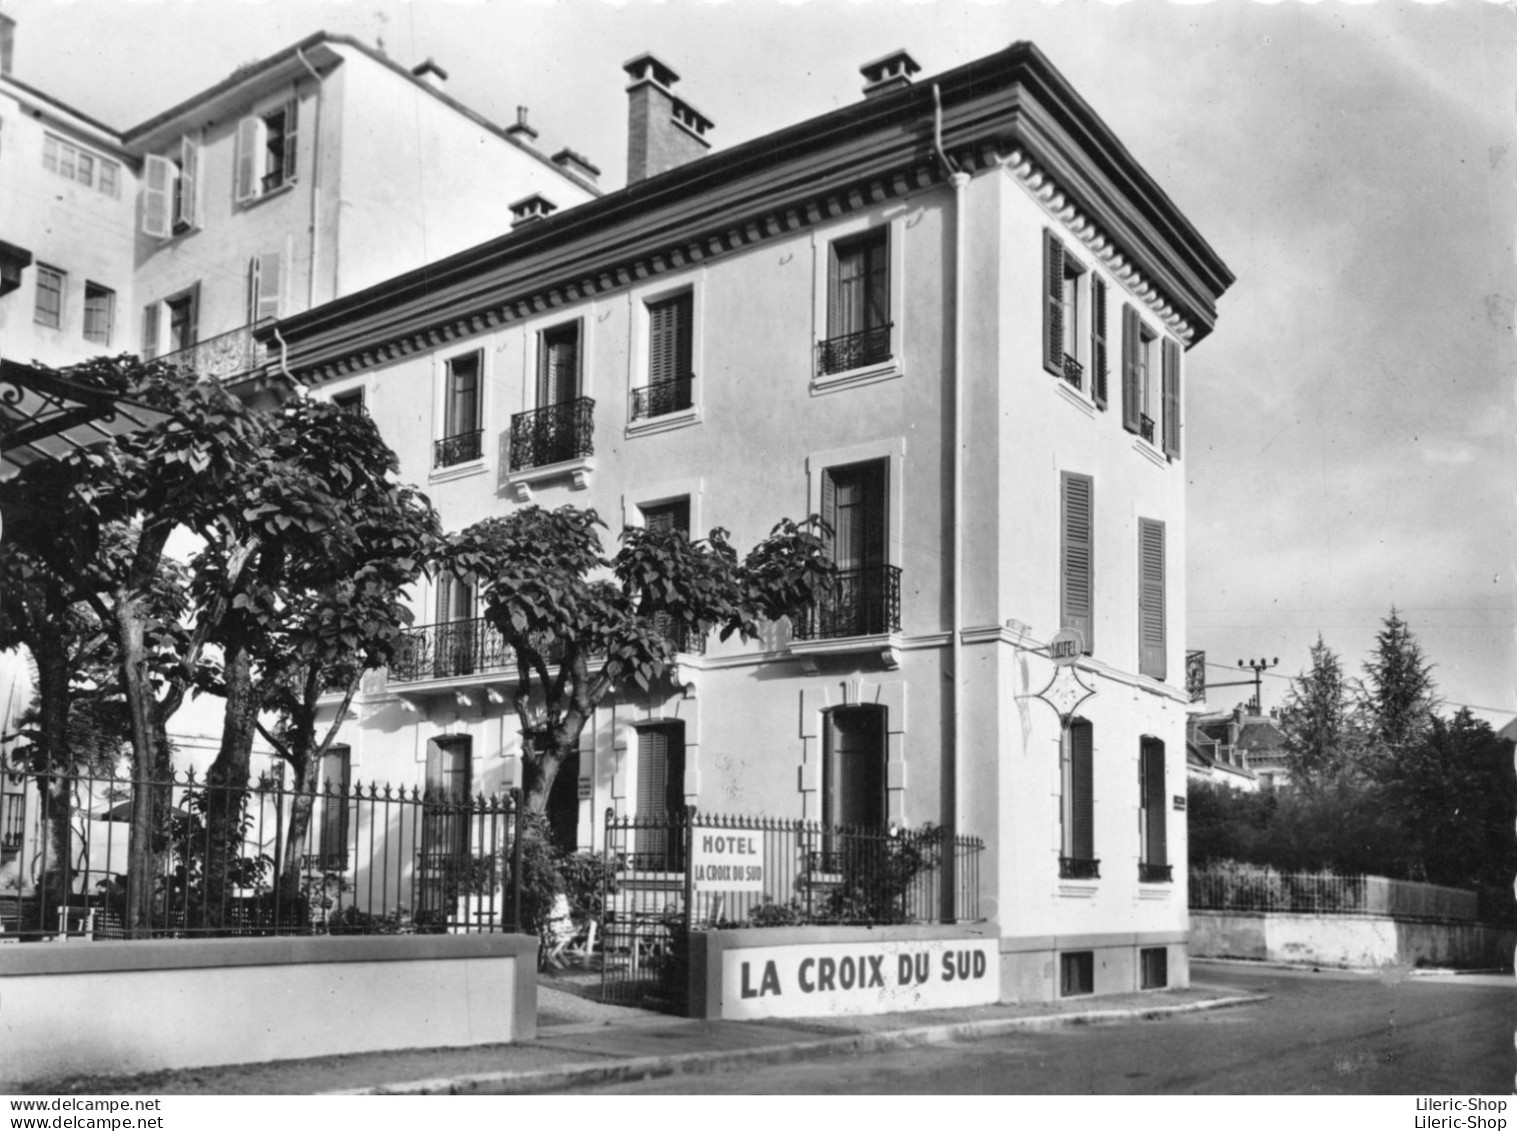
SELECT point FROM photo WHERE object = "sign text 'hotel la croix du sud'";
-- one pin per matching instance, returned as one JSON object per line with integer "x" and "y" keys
{"x": 727, "y": 860}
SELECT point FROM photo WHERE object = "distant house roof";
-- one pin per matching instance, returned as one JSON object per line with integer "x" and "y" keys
{"x": 1508, "y": 732}
{"x": 1261, "y": 735}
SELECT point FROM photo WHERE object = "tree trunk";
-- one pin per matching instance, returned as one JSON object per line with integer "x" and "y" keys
{"x": 304, "y": 796}
{"x": 151, "y": 769}
{"x": 226, "y": 786}
{"x": 56, "y": 789}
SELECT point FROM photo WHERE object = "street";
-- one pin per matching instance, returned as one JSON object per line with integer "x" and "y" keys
{"x": 1320, "y": 1033}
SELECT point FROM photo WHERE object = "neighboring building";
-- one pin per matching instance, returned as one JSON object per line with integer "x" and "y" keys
{"x": 974, "y": 375}
{"x": 1240, "y": 749}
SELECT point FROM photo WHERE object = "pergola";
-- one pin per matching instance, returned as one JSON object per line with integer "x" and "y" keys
{"x": 44, "y": 416}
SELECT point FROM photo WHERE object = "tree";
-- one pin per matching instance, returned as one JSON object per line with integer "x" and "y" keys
{"x": 582, "y": 627}
{"x": 1398, "y": 698}
{"x": 1319, "y": 732}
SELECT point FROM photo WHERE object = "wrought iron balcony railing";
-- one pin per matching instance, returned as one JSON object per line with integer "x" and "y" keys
{"x": 451, "y": 450}
{"x": 1156, "y": 873}
{"x": 863, "y": 602}
{"x": 449, "y": 650}
{"x": 1079, "y": 868}
{"x": 221, "y": 358}
{"x": 1074, "y": 372}
{"x": 554, "y": 434}
{"x": 1146, "y": 428}
{"x": 681, "y": 637}
{"x": 662, "y": 398}
{"x": 850, "y": 351}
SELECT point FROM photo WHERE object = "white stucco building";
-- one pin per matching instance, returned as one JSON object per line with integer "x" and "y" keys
{"x": 957, "y": 334}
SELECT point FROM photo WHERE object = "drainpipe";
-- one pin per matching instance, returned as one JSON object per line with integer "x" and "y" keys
{"x": 315, "y": 188}
{"x": 299, "y": 389}
{"x": 960, "y": 181}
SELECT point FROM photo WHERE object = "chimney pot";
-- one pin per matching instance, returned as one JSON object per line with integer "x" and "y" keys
{"x": 531, "y": 208}
{"x": 571, "y": 162}
{"x": 430, "y": 73}
{"x": 888, "y": 73}
{"x": 519, "y": 129}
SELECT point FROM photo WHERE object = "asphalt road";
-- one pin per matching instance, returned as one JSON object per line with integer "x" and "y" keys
{"x": 1323, "y": 1033}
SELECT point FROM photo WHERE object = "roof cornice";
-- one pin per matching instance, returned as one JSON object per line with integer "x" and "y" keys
{"x": 65, "y": 116}
{"x": 1011, "y": 109}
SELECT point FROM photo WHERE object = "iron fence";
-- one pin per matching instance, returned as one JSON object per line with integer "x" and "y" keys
{"x": 181, "y": 857}
{"x": 1251, "y": 888}
{"x": 553, "y": 434}
{"x": 850, "y": 351}
{"x": 861, "y": 602}
{"x": 685, "y": 871}
{"x": 662, "y": 397}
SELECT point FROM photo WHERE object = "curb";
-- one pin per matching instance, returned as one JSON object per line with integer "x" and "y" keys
{"x": 591, "y": 1073}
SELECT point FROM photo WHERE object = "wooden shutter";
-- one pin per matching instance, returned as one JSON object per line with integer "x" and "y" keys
{"x": 336, "y": 770}
{"x": 1132, "y": 394}
{"x": 1053, "y": 304}
{"x": 1155, "y": 847}
{"x": 150, "y": 318}
{"x": 291, "y": 109}
{"x": 829, "y": 513}
{"x": 652, "y": 771}
{"x": 1098, "y": 362}
{"x": 266, "y": 286}
{"x": 187, "y": 200}
{"x": 1082, "y": 845}
{"x": 1077, "y": 555}
{"x": 665, "y": 518}
{"x": 876, "y": 282}
{"x": 1171, "y": 398}
{"x": 669, "y": 339}
{"x": 1151, "y": 646}
{"x": 245, "y": 163}
{"x": 157, "y": 181}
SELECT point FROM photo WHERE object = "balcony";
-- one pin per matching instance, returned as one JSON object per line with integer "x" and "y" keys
{"x": 453, "y": 450}
{"x": 863, "y": 602}
{"x": 222, "y": 358}
{"x": 681, "y": 637}
{"x": 555, "y": 434}
{"x": 853, "y": 351}
{"x": 1074, "y": 372}
{"x": 449, "y": 650}
{"x": 1156, "y": 873}
{"x": 1079, "y": 868}
{"x": 662, "y": 397}
{"x": 1146, "y": 427}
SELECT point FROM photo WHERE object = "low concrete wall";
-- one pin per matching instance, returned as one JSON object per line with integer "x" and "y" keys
{"x": 112, "y": 1007}
{"x": 1030, "y": 963}
{"x": 1348, "y": 940}
{"x": 828, "y": 971}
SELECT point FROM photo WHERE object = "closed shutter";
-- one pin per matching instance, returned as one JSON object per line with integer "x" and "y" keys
{"x": 158, "y": 179}
{"x": 669, "y": 339}
{"x": 1171, "y": 398}
{"x": 1151, "y": 647}
{"x": 660, "y": 795}
{"x": 150, "y": 317}
{"x": 245, "y": 163}
{"x": 291, "y": 109}
{"x": 187, "y": 199}
{"x": 666, "y": 518}
{"x": 1132, "y": 394}
{"x": 1077, "y": 555}
{"x": 1053, "y": 304}
{"x": 1098, "y": 361}
{"x": 1082, "y": 845}
{"x": 1155, "y": 845}
{"x": 335, "y": 783}
{"x": 652, "y": 771}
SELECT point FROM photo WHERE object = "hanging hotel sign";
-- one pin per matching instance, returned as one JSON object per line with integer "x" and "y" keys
{"x": 727, "y": 859}
{"x": 1065, "y": 647}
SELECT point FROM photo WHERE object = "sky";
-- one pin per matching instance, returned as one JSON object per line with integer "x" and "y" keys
{"x": 1349, "y": 424}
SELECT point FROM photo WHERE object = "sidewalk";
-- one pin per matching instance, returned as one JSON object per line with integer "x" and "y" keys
{"x": 583, "y": 1043}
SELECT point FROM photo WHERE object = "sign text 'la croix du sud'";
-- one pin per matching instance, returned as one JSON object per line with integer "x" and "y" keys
{"x": 727, "y": 859}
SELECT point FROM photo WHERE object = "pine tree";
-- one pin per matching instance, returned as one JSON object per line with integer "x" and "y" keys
{"x": 1319, "y": 731}
{"x": 1398, "y": 698}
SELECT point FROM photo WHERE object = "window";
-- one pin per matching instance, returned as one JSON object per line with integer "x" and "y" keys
{"x": 558, "y": 365}
{"x": 858, "y": 303}
{"x": 853, "y": 768}
{"x": 457, "y": 636}
{"x": 75, "y": 164}
{"x": 335, "y": 783}
{"x": 50, "y": 286}
{"x": 1077, "y": 973}
{"x": 1077, "y": 857}
{"x": 350, "y": 401}
{"x": 265, "y": 152}
{"x": 670, "y": 340}
{"x": 1140, "y": 377}
{"x": 866, "y": 597}
{"x": 444, "y": 826}
{"x": 265, "y": 287}
{"x": 1153, "y": 858}
{"x": 1151, "y": 643}
{"x": 1171, "y": 398}
{"x": 170, "y": 326}
{"x": 171, "y": 191}
{"x": 1154, "y": 967}
{"x": 99, "y": 312}
{"x": 182, "y": 319}
{"x": 668, "y": 516}
{"x": 1063, "y": 279}
{"x": 462, "y": 437}
{"x": 1077, "y": 556}
{"x": 660, "y": 796}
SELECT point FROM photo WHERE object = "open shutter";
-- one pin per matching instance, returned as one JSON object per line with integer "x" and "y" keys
{"x": 192, "y": 324}
{"x": 187, "y": 200}
{"x": 1171, "y": 398}
{"x": 268, "y": 286}
{"x": 830, "y": 512}
{"x": 1132, "y": 395}
{"x": 150, "y": 317}
{"x": 1053, "y": 304}
{"x": 1098, "y": 362}
{"x": 1151, "y": 655}
{"x": 1078, "y": 556}
{"x": 834, "y": 305}
{"x": 1155, "y": 841}
{"x": 290, "y": 109}
{"x": 245, "y": 179}
{"x": 1082, "y": 841}
{"x": 157, "y": 180}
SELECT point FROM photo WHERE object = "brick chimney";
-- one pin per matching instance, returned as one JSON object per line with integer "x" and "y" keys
{"x": 430, "y": 73}
{"x": 7, "y": 42}
{"x": 530, "y": 208}
{"x": 663, "y": 131}
{"x": 888, "y": 73}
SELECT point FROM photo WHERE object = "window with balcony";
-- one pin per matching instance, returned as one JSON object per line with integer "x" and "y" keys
{"x": 171, "y": 326}
{"x": 865, "y": 599}
{"x": 1077, "y": 856}
{"x": 1153, "y": 858}
{"x": 51, "y": 284}
{"x": 1152, "y": 647}
{"x": 463, "y": 436}
{"x": 672, "y": 516}
{"x": 858, "y": 303}
{"x": 171, "y": 190}
{"x": 1077, "y": 556}
{"x": 99, "y": 313}
{"x": 1140, "y": 406}
{"x": 1064, "y": 287}
{"x": 670, "y": 347}
{"x": 561, "y": 428}
{"x": 265, "y": 152}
